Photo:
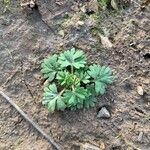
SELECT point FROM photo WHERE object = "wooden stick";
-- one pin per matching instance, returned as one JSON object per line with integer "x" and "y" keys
{"x": 27, "y": 118}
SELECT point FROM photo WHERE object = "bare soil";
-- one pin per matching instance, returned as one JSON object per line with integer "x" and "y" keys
{"x": 27, "y": 36}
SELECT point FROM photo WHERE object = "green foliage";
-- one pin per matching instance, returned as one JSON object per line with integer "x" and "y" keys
{"x": 72, "y": 83}
{"x": 50, "y": 67}
{"x": 103, "y": 3}
{"x": 102, "y": 77}
{"x": 73, "y": 58}
{"x": 109, "y": 3}
{"x": 53, "y": 99}
{"x": 7, "y": 4}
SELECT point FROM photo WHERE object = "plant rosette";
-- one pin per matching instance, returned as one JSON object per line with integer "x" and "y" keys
{"x": 72, "y": 83}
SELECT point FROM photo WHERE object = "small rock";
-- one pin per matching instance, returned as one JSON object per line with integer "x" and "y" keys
{"x": 61, "y": 44}
{"x": 37, "y": 76}
{"x": 140, "y": 90}
{"x": 140, "y": 137}
{"x": 102, "y": 146}
{"x": 75, "y": 8}
{"x": 93, "y": 6}
{"x": 88, "y": 146}
{"x": 105, "y": 42}
{"x": 81, "y": 23}
{"x": 32, "y": 3}
{"x": 83, "y": 9}
{"x": 103, "y": 113}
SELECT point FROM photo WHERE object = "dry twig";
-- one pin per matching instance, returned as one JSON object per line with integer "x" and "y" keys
{"x": 27, "y": 118}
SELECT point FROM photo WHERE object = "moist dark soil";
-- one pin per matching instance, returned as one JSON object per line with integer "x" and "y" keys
{"x": 29, "y": 35}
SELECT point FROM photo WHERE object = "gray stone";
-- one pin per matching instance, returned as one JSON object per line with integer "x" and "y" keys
{"x": 140, "y": 137}
{"x": 93, "y": 5}
{"x": 103, "y": 113}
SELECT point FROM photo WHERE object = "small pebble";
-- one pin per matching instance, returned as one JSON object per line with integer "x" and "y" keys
{"x": 140, "y": 137}
{"x": 140, "y": 90}
{"x": 103, "y": 113}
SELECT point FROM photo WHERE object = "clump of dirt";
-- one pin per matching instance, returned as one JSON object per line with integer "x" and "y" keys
{"x": 28, "y": 36}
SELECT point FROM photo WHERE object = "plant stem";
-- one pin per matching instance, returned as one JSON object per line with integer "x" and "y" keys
{"x": 61, "y": 92}
{"x": 72, "y": 74}
{"x": 72, "y": 87}
{"x": 71, "y": 69}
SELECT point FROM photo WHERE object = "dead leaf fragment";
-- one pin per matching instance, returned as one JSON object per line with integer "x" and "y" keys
{"x": 102, "y": 146}
{"x": 140, "y": 90}
{"x": 105, "y": 41}
{"x": 114, "y": 4}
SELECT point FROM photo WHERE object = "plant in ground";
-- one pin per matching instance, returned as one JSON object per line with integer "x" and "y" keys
{"x": 7, "y": 4}
{"x": 72, "y": 83}
{"x": 103, "y": 3}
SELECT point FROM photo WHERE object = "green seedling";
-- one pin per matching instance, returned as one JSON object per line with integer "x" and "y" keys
{"x": 72, "y": 83}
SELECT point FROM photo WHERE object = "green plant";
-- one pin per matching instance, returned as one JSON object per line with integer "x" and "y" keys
{"x": 7, "y": 4}
{"x": 73, "y": 84}
{"x": 108, "y": 3}
{"x": 103, "y": 3}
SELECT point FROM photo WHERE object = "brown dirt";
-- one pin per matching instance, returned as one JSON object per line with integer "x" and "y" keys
{"x": 27, "y": 36}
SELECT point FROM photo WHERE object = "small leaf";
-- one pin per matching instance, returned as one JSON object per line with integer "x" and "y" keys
{"x": 100, "y": 87}
{"x": 67, "y": 79}
{"x": 73, "y": 58}
{"x": 89, "y": 102}
{"x": 72, "y": 101}
{"x": 83, "y": 76}
{"x": 103, "y": 3}
{"x": 53, "y": 99}
{"x": 50, "y": 67}
{"x": 60, "y": 105}
{"x": 114, "y": 4}
{"x": 91, "y": 89}
{"x": 52, "y": 105}
{"x": 76, "y": 97}
{"x": 102, "y": 76}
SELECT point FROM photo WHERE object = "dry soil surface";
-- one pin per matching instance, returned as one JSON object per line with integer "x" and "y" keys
{"x": 27, "y": 36}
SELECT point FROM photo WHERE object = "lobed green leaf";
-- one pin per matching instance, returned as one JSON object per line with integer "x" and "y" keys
{"x": 53, "y": 99}
{"x": 50, "y": 67}
{"x": 102, "y": 77}
{"x": 74, "y": 58}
